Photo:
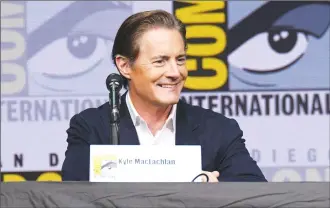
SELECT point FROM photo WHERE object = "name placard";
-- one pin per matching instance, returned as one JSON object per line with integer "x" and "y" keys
{"x": 139, "y": 163}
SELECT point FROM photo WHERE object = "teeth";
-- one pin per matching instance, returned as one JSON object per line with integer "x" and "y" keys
{"x": 167, "y": 86}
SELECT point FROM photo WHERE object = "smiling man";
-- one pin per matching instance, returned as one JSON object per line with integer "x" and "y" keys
{"x": 149, "y": 52}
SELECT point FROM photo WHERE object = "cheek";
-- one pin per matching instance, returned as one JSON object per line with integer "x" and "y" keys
{"x": 155, "y": 74}
{"x": 144, "y": 76}
{"x": 184, "y": 72}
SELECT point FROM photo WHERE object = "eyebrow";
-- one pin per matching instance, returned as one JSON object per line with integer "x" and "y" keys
{"x": 182, "y": 55}
{"x": 261, "y": 20}
{"x": 158, "y": 57}
{"x": 166, "y": 57}
{"x": 60, "y": 25}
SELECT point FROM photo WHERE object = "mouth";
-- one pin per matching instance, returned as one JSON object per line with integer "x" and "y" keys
{"x": 167, "y": 86}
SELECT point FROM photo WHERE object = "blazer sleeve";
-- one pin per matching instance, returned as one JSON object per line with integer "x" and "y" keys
{"x": 236, "y": 164}
{"x": 76, "y": 164}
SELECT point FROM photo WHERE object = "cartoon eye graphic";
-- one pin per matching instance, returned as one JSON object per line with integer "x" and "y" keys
{"x": 73, "y": 56}
{"x": 109, "y": 165}
{"x": 270, "y": 51}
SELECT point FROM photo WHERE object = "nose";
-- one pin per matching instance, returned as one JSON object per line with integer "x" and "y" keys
{"x": 173, "y": 70}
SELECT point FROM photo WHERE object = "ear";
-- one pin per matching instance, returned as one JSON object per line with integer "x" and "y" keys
{"x": 124, "y": 66}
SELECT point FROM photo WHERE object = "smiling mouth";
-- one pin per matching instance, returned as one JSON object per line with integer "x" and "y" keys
{"x": 168, "y": 86}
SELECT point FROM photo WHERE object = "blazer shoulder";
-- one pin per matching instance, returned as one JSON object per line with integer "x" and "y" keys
{"x": 93, "y": 113}
{"x": 204, "y": 115}
{"x": 84, "y": 122}
{"x": 91, "y": 116}
{"x": 213, "y": 121}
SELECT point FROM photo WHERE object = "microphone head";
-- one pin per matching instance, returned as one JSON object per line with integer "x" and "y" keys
{"x": 114, "y": 79}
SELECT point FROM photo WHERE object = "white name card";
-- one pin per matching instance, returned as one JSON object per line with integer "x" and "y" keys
{"x": 139, "y": 163}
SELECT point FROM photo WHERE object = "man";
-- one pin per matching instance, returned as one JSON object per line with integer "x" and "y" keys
{"x": 149, "y": 51}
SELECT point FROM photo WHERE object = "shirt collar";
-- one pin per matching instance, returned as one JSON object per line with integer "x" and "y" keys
{"x": 136, "y": 118}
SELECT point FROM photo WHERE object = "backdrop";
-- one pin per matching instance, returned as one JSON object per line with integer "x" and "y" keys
{"x": 265, "y": 64}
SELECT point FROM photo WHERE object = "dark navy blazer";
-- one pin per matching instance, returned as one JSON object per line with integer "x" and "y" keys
{"x": 221, "y": 141}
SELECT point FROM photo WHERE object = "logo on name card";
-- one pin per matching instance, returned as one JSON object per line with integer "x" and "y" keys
{"x": 105, "y": 165}
{"x": 108, "y": 164}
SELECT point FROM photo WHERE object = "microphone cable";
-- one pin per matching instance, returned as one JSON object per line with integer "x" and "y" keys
{"x": 202, "y": 174}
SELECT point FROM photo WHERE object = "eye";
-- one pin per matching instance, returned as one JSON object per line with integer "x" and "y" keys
{"x": 71, "y": 55}
{"x": 181, "y": 61}
{"x": 270, "y": 51}
{"x": 159, "y": 63}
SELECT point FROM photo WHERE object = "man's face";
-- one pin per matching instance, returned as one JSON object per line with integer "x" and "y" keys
{"x": 159, "y": 72}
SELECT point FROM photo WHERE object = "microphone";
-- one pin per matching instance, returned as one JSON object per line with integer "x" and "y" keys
{"x": 114, "y": 84}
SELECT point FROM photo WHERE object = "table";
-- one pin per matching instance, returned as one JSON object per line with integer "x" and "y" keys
{"x": 224, "y": 194}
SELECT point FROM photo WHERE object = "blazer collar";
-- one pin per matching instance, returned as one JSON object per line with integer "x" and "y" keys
{"x": 185, "y": 125}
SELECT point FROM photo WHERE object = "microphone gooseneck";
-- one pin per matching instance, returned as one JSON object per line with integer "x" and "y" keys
{"x": 114, "y": 84}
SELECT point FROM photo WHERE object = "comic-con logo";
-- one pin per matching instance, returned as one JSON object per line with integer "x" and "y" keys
{"x": 58, "y": 48}
{"x": 268, "y": 45}
{"x": 206, "y": 26}
{"x": 105, "y": 165}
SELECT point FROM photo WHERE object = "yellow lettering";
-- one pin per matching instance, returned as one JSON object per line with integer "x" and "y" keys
{"x": 207, "y": 82}
{"x": 16, "y": 51}
{"x": 206, "y": 49}
{"x": 13, "y": 178}
{"x": 50, "y": 176}
{"x": 204, "y": 24}
{"x": 200, "y": 12}
{"x": 12, "y": 86}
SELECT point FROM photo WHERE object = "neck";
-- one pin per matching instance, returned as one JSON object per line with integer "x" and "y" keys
{"x": 154, "y": 116}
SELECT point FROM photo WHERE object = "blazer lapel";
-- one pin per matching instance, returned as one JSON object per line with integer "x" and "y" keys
{"x": 185, "y": 125}
{"x": 127, "y": 131}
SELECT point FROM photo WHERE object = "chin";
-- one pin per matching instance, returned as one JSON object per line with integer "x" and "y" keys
{"x": 168, "y": 100}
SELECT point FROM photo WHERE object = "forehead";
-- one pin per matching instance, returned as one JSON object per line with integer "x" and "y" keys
{"x": 161, "y": 40}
